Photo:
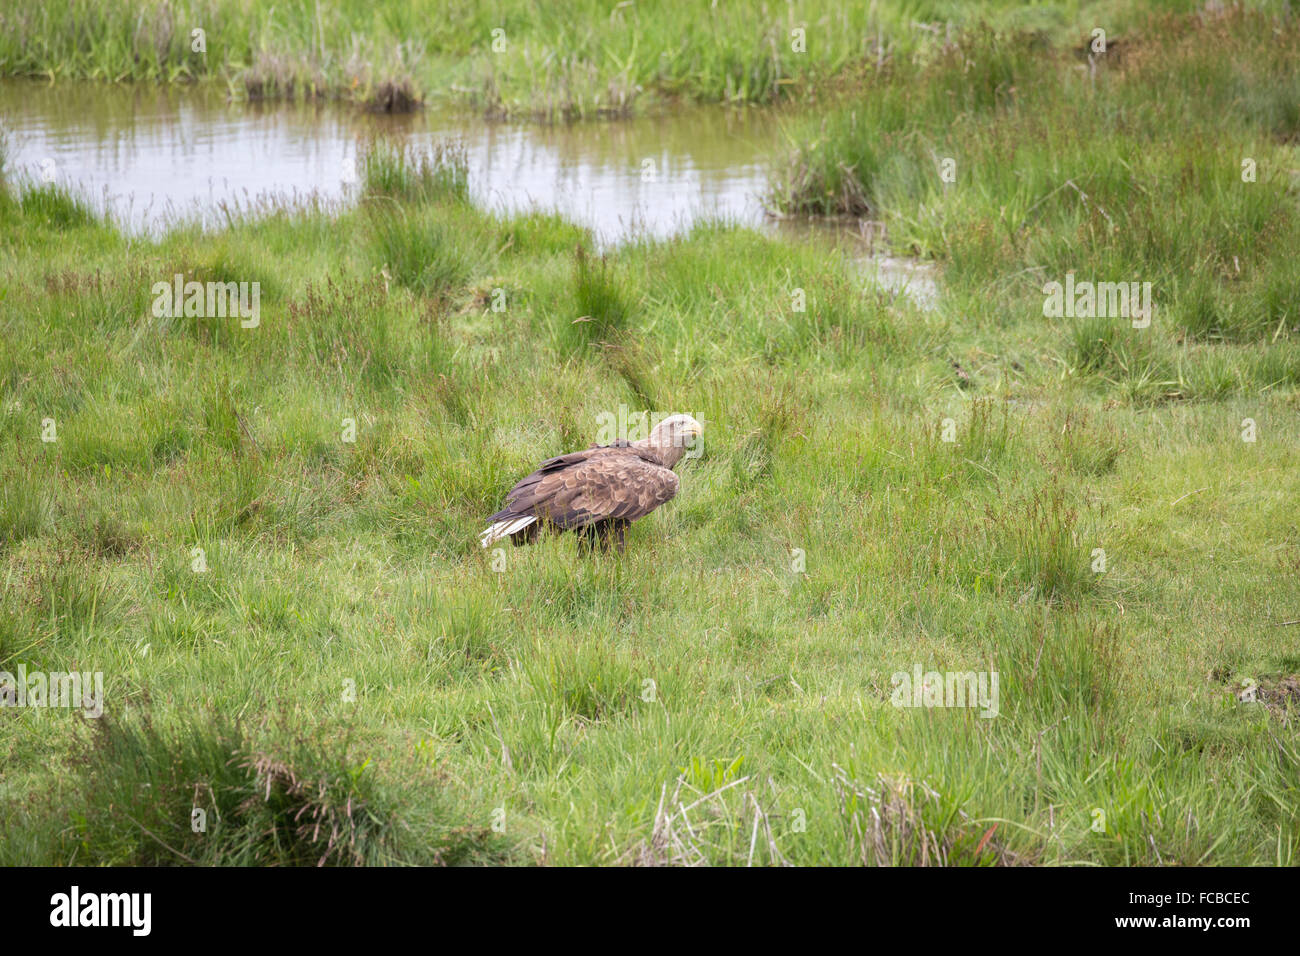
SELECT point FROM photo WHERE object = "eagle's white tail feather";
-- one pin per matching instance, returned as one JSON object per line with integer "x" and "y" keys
{"x": 503, "y": 529}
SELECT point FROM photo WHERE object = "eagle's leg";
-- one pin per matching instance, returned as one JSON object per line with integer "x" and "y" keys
{"x": 612, "y": 533}
{"x": 588, "y": 536}
{"x": 601, "y": 535}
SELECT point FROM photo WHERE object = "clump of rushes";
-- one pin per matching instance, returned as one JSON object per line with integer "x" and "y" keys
{"x": 51, "y": 205}
{"x": 47, "y": 204}
{"x": 394, "y": 95}
{"x": 599, "y": 298}
{"x": 204, "y": 792}
{"x": 407, "y": 173}
{"x": 417, "y": 203}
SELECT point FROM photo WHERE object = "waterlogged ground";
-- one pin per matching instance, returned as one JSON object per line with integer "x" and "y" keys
{"x": 264, "y": 538}
{"x": 151, "y": 157}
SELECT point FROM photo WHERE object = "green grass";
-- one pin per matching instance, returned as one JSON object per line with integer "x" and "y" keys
{"x": 1066, "y": 167}
{"x": 555, "y": 59}
{"x": 202, "y": 532}
{"x": 396, "y": 170}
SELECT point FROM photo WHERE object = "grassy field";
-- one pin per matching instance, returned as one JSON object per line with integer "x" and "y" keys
{"x": 300, "y": 637}
{"x": 550, "y": 58}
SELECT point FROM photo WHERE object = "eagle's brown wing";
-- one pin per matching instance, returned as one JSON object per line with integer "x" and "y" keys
{"x": 577, "y": 490}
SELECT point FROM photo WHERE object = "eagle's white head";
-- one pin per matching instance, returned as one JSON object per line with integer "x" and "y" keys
{"x": 674, "y": 437}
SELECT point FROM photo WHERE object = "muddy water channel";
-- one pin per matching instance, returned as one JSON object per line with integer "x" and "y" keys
{"x": 151, "y": 156}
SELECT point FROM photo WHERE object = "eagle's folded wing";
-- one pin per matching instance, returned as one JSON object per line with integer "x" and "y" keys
{"x": 625, "y": 487}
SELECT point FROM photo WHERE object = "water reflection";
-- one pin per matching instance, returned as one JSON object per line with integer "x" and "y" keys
{"x": 154, "y": 154}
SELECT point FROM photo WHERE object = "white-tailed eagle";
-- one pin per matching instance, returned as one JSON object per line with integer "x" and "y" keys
{"x": 599, "y": 491}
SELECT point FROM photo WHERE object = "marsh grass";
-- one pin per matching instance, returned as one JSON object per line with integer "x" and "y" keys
{"x": 420, "y": 251}
{"x": 601, "y": 300}
{"x": 55, "y": 207}
{"x": 414, "y": 242}
{"x": 204, "y": 793}
{"x": 202, "y": 532}
{"x": 401, "y": 171}
{"x": 1006, "y": 109}
{"x": 560, "y": 60}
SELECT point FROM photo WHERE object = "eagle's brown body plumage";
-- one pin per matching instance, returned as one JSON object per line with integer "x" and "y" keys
{"x": 598, "y": 491}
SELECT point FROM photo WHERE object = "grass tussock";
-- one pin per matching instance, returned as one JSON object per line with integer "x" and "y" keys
{"x": 404, "y": 173}
{"x": 206, "y": 794}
